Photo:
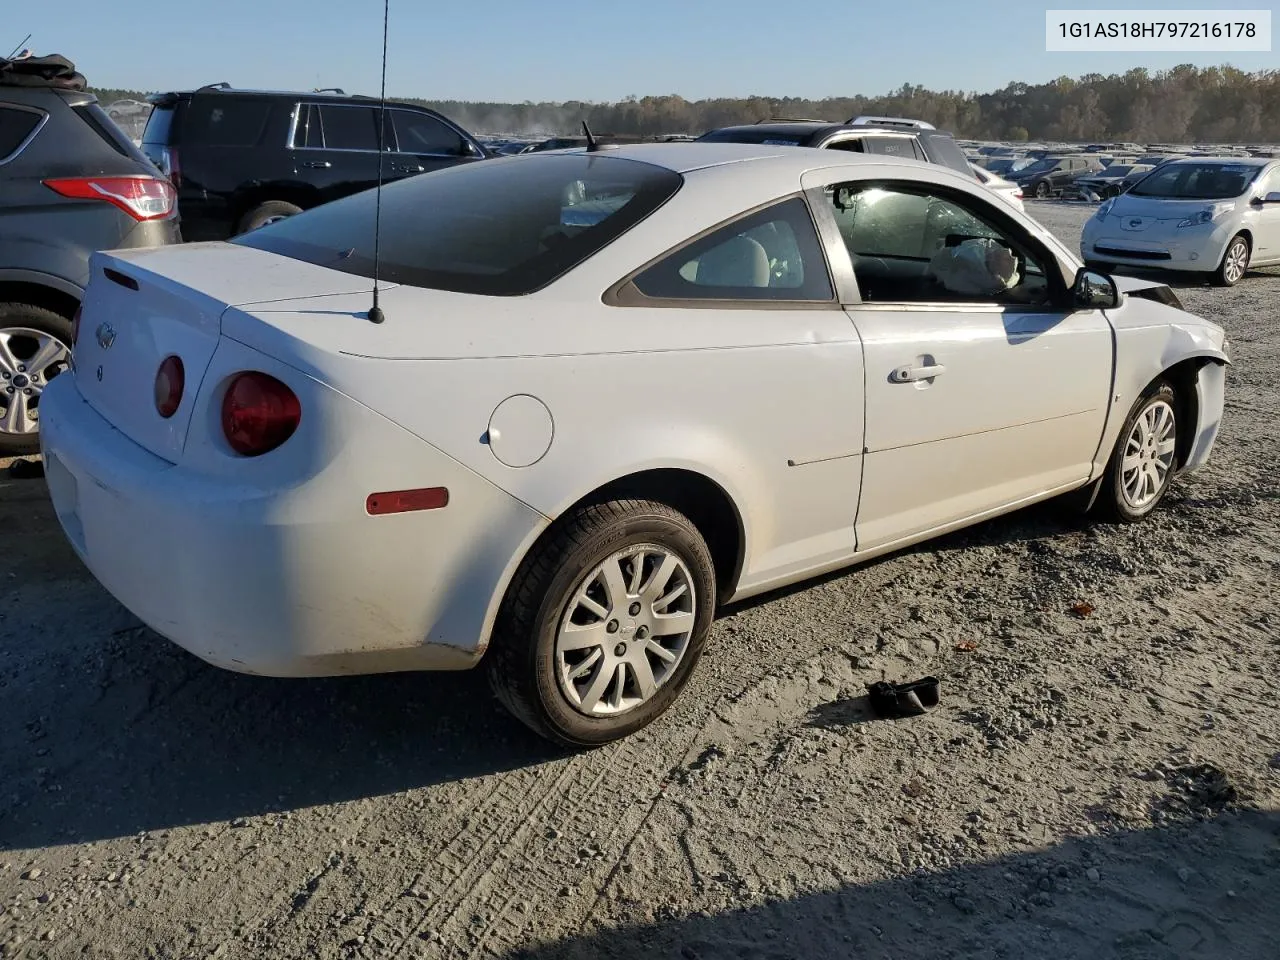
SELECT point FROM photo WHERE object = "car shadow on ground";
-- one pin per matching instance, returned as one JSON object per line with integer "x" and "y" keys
{"x": 1205, "y": 888}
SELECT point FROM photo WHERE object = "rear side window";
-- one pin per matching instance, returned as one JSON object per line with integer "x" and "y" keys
{"x": 15, "y": 127}
{"x": 770, "y": 255}
{"x": 423, "y": 133}
{"x": 499, "y": 228}
{"x": 105, "y": 127}
{"x": 349, "y": 128}
{"x": 893, "y": 147}
{"x": 160, "y": 126}
{"x": 221, "y": 121}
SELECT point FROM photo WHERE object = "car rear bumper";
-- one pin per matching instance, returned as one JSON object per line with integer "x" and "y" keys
{"x": 295, "y": 581}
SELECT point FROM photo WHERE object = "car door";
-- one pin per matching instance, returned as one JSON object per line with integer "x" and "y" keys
{"x": 1266, "y": 219}
{"x": 781, "y": 372}
{"x": 984, "y": 388}
{"x": 423, "y": 143}
{"x": 335, "y": 147}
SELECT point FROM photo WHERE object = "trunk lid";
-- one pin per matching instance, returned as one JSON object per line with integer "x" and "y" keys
{"x": 143, "y": 306}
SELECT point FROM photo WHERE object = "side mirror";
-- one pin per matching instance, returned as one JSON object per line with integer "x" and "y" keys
{"x": 1094, "y": 291}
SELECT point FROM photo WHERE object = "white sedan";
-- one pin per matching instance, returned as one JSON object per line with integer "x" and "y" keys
{"x": 1218, "y": 216}
{"x": 610, "y": 391}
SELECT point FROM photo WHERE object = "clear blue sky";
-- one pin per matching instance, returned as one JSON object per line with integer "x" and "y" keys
{"x": 516, "y": 50}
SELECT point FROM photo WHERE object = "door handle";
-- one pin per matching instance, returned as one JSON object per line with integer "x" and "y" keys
{"x": 408, "y": 169}
{"x": 910, "y": 374}
{"x": 318, "y": 164}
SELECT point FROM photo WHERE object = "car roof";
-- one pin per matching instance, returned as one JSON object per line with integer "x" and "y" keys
{"x": 687, "y": 156}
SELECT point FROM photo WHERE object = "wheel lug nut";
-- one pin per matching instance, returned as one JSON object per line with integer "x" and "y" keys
{"x": 612, "y": 626}
{"x": 642, "y": 633}
{"x": 635, "y": 609}
{"x": 21, "y": 368}
{"x": 27, "y": 391}
{"x": 620, "y": 650}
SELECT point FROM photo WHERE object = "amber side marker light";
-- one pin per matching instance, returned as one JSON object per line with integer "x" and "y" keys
{"x": 405, "y": 501}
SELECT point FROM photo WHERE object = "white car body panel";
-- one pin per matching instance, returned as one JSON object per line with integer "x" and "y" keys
{"x": 1134, "y": 229}
{"x": 788, "y": 411}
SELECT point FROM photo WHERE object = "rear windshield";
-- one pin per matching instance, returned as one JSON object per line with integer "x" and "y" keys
{"x": 502, "y": 227}
{"x": 159, "y": 126}
{"x": 1197, "y": 181}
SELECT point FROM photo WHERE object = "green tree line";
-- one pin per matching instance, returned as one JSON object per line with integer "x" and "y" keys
{"x": 1184, "y": 104}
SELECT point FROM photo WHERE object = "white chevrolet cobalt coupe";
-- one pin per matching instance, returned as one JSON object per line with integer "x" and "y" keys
{"x": 610, "y": 391}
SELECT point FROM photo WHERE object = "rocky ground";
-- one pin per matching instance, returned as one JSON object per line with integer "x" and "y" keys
{"x": 1102, "y": 779}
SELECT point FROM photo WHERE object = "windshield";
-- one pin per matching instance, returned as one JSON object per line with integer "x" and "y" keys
{"x": 1115, "y": 170}
{"x": 502, "y": 227}
{"x": 1197, "y": 181}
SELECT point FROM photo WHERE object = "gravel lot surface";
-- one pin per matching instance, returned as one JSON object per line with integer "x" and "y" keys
{"x": 1100, "y": 784}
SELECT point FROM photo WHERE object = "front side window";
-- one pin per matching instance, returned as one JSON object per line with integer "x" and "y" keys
{"x": 770, "y": 255}
{"x": 498, "y": 228}
{"x": 909, "y": 245}
{"x": 422, "y": 133}
{"x": 1197, "y": 181}
{"x": 349, "y": 128}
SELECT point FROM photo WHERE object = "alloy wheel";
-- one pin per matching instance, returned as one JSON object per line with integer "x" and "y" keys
{"x": 1148, "y": 455}
{"x": 1237, "y": 261}
{"x": 625, "y": 630}
{"x": 29, "y": 359}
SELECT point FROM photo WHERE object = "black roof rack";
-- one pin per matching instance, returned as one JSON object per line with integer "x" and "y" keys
{"x": 337, "y": 90}
{"x": 214, "y": 86}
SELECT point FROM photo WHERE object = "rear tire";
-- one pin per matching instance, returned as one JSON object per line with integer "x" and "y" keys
{"x": 585, "y": 691}
{"x": 1144, "y": 459}
{"x": 27, "y": 333}
{"x": 1234, "y": 264}
{"x": 266, "y": 213}
{"x": 1042, "y": 190}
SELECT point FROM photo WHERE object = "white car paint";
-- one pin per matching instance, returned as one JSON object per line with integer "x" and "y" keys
{"x": 273, "y": 565}
{"x": 1005, "y": 189}
{"x": 1155, "y": 233}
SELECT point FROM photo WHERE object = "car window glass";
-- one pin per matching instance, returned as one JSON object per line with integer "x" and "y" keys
{"x": 159, "y": 125}
{"x": 892, "y": 146}
{"x": 1197, "y": 181}
{"x": 851, "y": 145}
{"x": 222, "y": 121}
{"x": 771, "y": 255}
{"x": 310, "y": 130}
{"x": 15, "y": 127}
{"x": 498, "y": 229}
{"x": 422, "y": 133}
{"x": 1271, "y": 184}
{"x": 912, "y": 246}
{"x": 349, "y": 128}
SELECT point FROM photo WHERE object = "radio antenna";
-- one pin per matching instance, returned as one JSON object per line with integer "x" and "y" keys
{"x": 18, "y": 48}
{"x": 375, "y": 311}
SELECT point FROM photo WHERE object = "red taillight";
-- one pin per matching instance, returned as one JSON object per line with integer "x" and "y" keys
{"x": 143, "y": 198}
{"x": 258, "y": 413}
{"x": 170, "y": 381}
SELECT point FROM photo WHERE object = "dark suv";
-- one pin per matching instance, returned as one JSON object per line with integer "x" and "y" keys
{"x": 244, "y": 158}
{"x": 891, "y": 136}
{"x": 70, "y": 183}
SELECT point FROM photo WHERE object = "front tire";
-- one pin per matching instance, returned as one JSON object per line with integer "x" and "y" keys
{"x": 1144, "y": 459}
{"x": 1042, "y": 190}
{"x": 604, "y": 622}
{"x": 34, "y": 348}
{"x": 1234, "y": 264}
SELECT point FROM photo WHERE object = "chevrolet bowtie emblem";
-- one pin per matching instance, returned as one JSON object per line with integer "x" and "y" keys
{"x": 106, "y": 335}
